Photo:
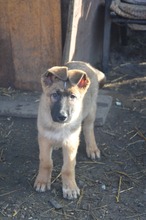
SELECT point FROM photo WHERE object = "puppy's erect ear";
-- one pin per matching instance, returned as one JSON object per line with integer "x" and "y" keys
{"x": 59, "y": 72}
{"x": 79, "y": 78}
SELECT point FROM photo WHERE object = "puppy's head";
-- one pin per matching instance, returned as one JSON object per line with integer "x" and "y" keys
{"x": 64, "y": 90}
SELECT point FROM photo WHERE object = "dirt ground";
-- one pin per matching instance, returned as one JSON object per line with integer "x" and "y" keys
{"x": 113, "y": 188}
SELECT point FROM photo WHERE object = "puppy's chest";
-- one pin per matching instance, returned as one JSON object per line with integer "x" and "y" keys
{"x": 61, "y": 136}
{"x": 57, "y": 135}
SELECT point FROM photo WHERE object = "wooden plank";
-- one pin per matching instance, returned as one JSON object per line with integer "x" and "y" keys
{"x": 35, "y": 32}
{"x": 85, "y": 31}
{"x": 6, "y": 64}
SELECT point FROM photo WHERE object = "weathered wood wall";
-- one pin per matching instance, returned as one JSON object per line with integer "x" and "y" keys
{"x": 30, "y": 41}
{"x": 85, "y": 31}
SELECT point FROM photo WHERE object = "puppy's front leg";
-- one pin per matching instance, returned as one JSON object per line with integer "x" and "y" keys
{"x": 69, "y": 187}
{"x": 43, "y": 180}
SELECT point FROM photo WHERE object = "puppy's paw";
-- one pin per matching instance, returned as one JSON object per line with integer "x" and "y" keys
{"x": 93, "y": 152}
{"x": 42, "y": 183}
{"x": 71, "y": 193}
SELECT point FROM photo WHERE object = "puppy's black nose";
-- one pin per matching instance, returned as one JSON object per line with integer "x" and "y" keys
{"x": 62, "y": 117}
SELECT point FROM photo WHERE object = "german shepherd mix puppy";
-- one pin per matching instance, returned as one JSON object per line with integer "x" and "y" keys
{"x": 68, "y": 102}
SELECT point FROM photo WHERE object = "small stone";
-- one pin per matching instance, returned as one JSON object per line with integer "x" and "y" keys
{"x": 55, "y": 203}
{"x": 103, "y": 186}
{"x": 118, "y": 103}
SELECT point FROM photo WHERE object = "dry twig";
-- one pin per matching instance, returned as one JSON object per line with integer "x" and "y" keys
{"x": 140, "y": 134}
{"x": 81, "y": 197}
{"x": 5, "y": 194}
{"x": 56, "y": 178}
{"x": 91, "y": 162}
{"x": 137, "y": 215}
{"x": 119, "y": 189}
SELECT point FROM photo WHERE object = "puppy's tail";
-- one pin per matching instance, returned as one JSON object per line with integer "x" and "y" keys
{"x": 101, "y": 78}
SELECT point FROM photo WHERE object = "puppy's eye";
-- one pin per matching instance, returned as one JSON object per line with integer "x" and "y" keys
{"x": 55, "y": 96}
{"x": 72, "y": 97}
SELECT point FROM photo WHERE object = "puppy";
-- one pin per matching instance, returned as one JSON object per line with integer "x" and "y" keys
{"x": 68, "y": 103}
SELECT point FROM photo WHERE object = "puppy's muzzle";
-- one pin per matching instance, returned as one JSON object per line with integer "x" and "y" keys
{"x": 62, "y": 117}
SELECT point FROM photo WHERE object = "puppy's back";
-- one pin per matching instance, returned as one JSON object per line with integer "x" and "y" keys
{"x": 96, "y": 76}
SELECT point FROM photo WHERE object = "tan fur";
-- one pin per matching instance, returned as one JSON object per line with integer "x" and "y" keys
{"x": 66, "y": 135}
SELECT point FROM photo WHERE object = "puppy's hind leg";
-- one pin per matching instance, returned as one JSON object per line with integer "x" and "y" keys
{"x": 92, "y": 150}
{"x": 43, "y": 180}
